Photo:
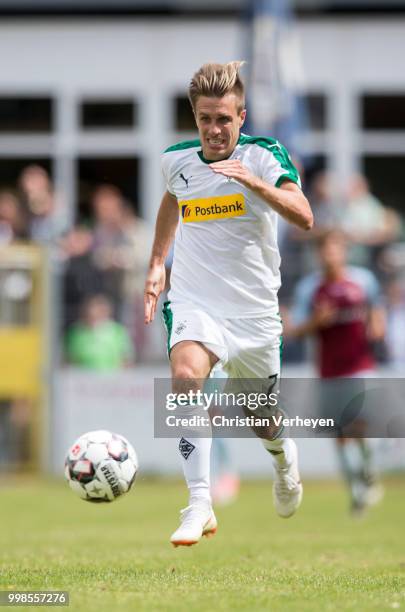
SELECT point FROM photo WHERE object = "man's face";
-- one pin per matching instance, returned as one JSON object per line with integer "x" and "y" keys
{"x": 107, "y": 208}
{"x": 97, "y": 312}
{"x": 219, "y": 123}
{"x": 332, "y": 253}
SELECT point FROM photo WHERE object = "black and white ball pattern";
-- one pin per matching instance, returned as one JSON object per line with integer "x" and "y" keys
{"x": 101, "y": 466}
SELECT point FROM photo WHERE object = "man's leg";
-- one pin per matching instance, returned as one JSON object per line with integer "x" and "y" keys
{"x": 355, "y": 457}
{"x": 255, "y": 349}
{"x": 349, "y": 459}
{"x": 287, "y": 488}
{"x": 191, "y": 363}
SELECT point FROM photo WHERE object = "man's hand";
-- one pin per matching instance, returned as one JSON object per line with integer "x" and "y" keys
{"x": 154, "y": 285}
{"x": 324, "y": 316}
{"x": 233, "y": 168}
{"x": 166, "y": 224}
{"x": 288, "y": 199}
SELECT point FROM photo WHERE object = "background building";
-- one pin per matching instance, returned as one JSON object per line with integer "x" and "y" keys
{"x": 93, "y": 92}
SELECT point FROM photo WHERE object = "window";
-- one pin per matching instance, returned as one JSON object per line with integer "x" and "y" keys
{"x": 26, "y": 114}
{"x": 314, "y": 107}
{"x": 108, "y": 114}
{"x": 183, "y": 114}
{"x": 10, "y": 169}
{"x": 123, "y": 172}
{"x": 312, "y": 166}
{"x": 383, "y": 111}
{"x": 313, "y": 104}
{"x": 385, "y": 174}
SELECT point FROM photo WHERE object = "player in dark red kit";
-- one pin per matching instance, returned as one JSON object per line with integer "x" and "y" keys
{"x": 341, "y": 307}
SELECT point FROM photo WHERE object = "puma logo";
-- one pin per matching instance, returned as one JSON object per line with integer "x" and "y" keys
{"x": 186, "y": 180}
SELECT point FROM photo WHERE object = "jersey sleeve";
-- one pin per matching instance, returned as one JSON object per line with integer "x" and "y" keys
{"x": 302, "y": 299}
{"x": 277, "y": 166}
{"x": 167, "y": 170}
{"x": 366, "y": 279}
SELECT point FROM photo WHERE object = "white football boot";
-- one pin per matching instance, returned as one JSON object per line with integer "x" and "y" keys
{"x": 197, "y": 520}
{"x": 287, "y": 488}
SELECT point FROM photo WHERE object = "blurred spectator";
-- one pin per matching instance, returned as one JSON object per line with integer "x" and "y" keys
{"x": 340, "y": 306}
{"x": 298, "y": 256}
{"x": 323, "y": 203}
{"x": 392, "y": 259}
{"x": 121, "y": 251}
{"x": 98, "y": 342}
{"x": 325, "y": 206}
{"x": 46, "y": 222}
{"x": 395, "y": 338}
{"x": 13, "y": 224}
{"x": 290, "y": 242}
{"x": 367, "y": 223}
{"x": 81, "y": 277}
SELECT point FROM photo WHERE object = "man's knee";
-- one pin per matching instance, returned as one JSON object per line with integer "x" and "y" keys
{"x": 185, "y": 371}
{"x": 190, "y": 361}
{"x": 187, "y": 376}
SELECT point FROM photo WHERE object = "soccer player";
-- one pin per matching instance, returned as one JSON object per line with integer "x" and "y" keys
{"x": 224, "y": 194}
{"x": 341, "y": 307}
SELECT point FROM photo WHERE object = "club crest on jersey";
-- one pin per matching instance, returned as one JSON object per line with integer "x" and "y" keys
{"x": 180, "y": 327}
{"x": 216, "y": 207}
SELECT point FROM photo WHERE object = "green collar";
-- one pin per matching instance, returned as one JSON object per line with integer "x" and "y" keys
{"x": 204, "y": 159}
{"x": 212, "y": 161}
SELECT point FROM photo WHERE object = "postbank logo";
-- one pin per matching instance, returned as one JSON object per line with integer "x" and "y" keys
{"x": 216, "y": 207}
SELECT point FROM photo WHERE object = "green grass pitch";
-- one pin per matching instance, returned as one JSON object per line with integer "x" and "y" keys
{"x": 117, "y": 557}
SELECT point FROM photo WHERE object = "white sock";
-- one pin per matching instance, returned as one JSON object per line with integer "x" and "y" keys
{"x": 282, "y": 450}
{"x": 195, "y": 455}
{"x": 195, "y": 458}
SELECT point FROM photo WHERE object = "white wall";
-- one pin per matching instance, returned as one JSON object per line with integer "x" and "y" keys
{"x": 152, "y": 60}
{"x": 123, "y": 402}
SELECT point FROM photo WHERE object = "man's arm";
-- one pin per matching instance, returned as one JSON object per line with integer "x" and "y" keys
{"x": 376, "y": 321}
{"x": 376, "y": 324}
{"x": 303, "y": 318}
{"x": 288, "y": 200}
{"x": 166, "y": 223}
{"x": 323, "y": 316}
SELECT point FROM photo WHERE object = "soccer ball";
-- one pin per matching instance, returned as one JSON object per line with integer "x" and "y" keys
{"x": 101, "y": 466}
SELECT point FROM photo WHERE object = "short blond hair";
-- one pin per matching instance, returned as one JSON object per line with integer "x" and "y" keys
{"x": 216, "y": 81}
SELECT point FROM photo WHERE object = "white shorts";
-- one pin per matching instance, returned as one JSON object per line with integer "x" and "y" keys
{"x": 246, "y": 348}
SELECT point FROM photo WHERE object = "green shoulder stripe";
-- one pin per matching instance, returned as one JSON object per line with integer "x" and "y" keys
{"x": 262, "y": 141}
{"x": 287, "y": 176}
{"x": 278, "y": 150}
{"x": 185, "y": 144}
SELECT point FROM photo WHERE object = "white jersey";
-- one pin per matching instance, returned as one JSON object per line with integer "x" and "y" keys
{"x": 226, "y": 257}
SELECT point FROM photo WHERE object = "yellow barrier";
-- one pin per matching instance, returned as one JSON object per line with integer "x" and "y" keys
{"x": 23, "y": 339}
{"x": 20, "y": 362}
